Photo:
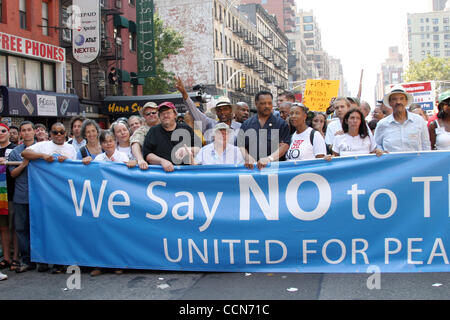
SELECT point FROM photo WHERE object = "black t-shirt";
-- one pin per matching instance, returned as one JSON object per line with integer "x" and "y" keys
{"x": 4, "y": 153}
{"x": 159, "y": 141}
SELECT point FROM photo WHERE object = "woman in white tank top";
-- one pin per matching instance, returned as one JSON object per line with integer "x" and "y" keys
{"x": 440, "y": 128}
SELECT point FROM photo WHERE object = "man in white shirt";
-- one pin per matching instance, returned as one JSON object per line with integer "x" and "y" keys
{"x": 57, "y": 146}
{"x": 402, "y": 131}
{"x": 220, "y": 151}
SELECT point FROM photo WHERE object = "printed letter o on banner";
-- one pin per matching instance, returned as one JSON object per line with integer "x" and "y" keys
{"x": 324, "y": 197}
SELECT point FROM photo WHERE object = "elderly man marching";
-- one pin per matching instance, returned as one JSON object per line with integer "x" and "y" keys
{"x": 223, "y": 109}
{"x": 402, "y": 131}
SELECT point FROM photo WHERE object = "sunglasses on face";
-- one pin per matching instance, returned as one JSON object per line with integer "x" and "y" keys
{"x": 149, "y": 113}
{"x": 54, "y": 132}
{"x": 3, "y": 131}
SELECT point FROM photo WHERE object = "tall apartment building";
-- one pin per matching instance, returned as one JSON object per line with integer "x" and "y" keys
{"x": 316, "y": 57}
{"x": 391, "y": 72}
{"x": 439, "y": 5}
{"x": 428, "y": 34}
{"x": 337, "y": 73}
{"x": 283, "y": 10}
{"x": 223, "y": 42}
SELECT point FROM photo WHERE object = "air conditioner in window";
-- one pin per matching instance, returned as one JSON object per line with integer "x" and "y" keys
{"x": 70, "y": 90}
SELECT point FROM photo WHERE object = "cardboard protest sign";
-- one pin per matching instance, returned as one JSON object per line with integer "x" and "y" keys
{"x": 318, "y": 94}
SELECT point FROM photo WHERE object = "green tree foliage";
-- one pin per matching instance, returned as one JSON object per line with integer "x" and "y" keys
{"x": 431, "y": 68}
{"x": 167, "y": 43}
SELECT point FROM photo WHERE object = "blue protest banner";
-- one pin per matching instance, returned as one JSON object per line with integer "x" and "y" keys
{"x": 310, "y": 216}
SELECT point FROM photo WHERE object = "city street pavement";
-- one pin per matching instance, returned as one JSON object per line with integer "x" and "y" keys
{"x": 166, "y": 285}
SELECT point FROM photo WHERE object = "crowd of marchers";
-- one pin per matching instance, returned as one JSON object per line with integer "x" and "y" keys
{"x": 226, "y": 134}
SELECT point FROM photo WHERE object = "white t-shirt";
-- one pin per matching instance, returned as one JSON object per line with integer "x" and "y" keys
{"x": 301, "y": 148}
{"x": 117, "y": 156}
{"x": 346, "y": 145}
{"x": 49, "y": 147}
{"x": 209, "y": 155}
{"x": 336, "y": 126}
{"x": 333, "y": 127}
{"x": 127, "y": 151}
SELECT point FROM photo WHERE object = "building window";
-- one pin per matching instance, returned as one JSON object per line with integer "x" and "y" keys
{"x": 435, "y": 37}
{"x": 3, "y": 70}
{"x": 66, "y": 33}
{"x": 132, "y": 38}
{"x": 445, "y": 20}
{"x": 308, "y": 19}
{"x": 23, "y": 14}
{"x": 85, "y": 83}
{"x": 69, "y": 76}
{"x": 24, "y": 73}
{"x": 437, "y": 53}
{"x": 45, "y": 18}
{"x": 49, "y": 77}
{"x": 118, "y": 3}
{"x": 308, "y": 27}
{"x": 1, "y": 11}
{"x": 132, "y": 2}
{"x": 435, "y": 29}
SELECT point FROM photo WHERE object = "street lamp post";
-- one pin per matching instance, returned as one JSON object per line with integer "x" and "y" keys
{"x": 230, "y": 4}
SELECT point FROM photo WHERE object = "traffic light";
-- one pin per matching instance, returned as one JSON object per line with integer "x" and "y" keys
{"x": 242, "y": 81}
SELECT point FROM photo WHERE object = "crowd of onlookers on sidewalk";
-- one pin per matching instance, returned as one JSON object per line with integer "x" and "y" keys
{"x": 226, "y": 134}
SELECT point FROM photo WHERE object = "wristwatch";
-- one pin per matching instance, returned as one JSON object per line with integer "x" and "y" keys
{"x": 271, "y": 158}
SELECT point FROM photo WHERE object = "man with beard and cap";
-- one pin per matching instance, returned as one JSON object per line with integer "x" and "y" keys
{"x": 402, "y": 131}
{"x": 223, "y": 109}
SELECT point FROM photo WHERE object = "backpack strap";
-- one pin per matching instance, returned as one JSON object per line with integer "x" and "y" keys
{"x": 311, "y": 136}
{"x": 83, "y": 151}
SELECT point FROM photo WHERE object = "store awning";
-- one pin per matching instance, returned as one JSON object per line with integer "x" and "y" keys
{"x": 120, "y": 21}
{"x": 138, "y": 81}
{"x": 124, "y": 106}
{"x": 32, "y": 103}
{"x": 132, "y": 26}
{"x": 124, "y": 75}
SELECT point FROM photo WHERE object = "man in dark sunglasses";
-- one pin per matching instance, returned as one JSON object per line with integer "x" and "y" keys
{"x": 150, "y": 114}
{"x": 56, "y": 147}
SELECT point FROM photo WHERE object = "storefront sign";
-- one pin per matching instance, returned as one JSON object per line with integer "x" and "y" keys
{"x": 145, "y": 39}
{"x": 128, "y": 105}
{"x": 86, "y": 32}
{"x": 30, "y": 103}
{"x": 46, "y": 105}
{"x": 31, "y": 48}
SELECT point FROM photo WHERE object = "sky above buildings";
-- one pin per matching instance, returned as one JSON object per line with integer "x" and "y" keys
{"x": 360, "y": 32}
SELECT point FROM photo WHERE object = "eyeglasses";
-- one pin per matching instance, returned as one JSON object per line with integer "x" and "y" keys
{"x": 149, "y": 113}
{"x": 54, "y": 132}
{"x": 4, "y": 131}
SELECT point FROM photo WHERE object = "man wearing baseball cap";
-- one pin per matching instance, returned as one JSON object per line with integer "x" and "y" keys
{"x": 402, "y": 131}
{"x": 150, "y": 114}
{"x": 164, "y": 141}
